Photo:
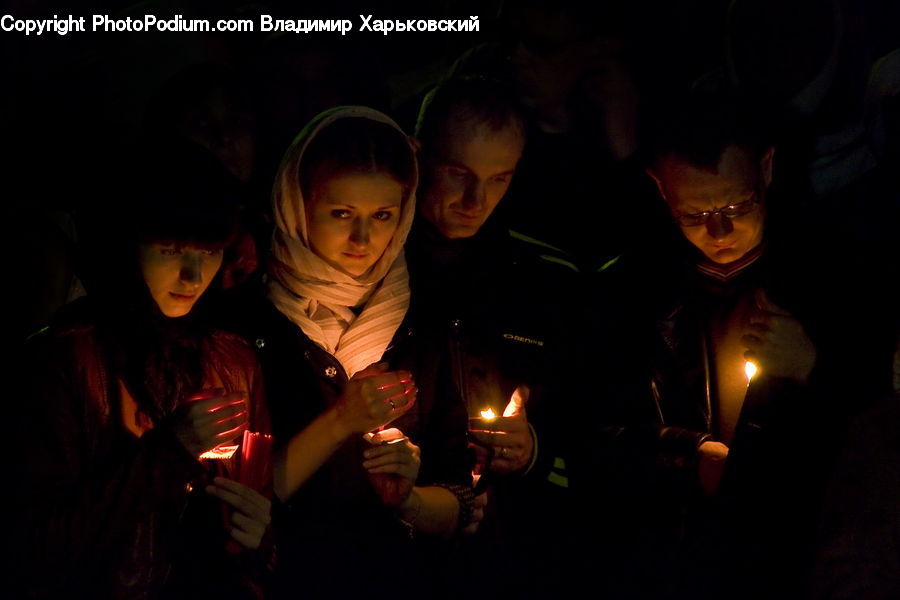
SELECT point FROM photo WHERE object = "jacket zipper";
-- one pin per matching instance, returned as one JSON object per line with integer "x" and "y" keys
{"x": 457, "y": 357}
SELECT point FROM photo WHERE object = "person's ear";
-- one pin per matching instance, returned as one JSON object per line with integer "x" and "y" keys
{"x": 765, "y": 165}
{"x": 659, "y": 183}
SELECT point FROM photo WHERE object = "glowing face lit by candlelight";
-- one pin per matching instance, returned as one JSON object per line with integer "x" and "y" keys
{"x": 467, "y": 174}
{"x": 177, "y": 275}
{"x": 737, "y": 185}
{"x": 352, "y": 218}
{"x": 488, "y": 414}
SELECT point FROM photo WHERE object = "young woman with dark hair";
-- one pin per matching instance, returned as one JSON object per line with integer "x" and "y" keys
{"x": 124, "y": 393}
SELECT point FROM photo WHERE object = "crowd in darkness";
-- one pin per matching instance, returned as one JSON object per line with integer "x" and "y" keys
{"x": 601, "y": 299}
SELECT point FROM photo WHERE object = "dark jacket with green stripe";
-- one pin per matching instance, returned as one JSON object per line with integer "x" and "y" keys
{"x": 504, "y": 305}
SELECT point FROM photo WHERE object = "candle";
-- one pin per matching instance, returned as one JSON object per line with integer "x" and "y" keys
{"x": 255, "y": 466}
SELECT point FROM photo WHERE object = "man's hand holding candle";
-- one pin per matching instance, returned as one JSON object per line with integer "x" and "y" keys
{"x": 777, "y": 343}
{"x": 373, "y": 398}
{"x": 210, "y": 420}
{"x": 509, "y": 436}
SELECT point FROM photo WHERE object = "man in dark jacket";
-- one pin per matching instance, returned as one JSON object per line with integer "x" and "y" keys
{"x": 735, "y": 348}
{"x": 500, "y": 303}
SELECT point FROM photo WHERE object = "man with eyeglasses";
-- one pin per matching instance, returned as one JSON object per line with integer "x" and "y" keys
{"x": 726, "y": 352}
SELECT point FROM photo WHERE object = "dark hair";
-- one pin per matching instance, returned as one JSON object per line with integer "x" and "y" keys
{"x": 357, "y": 145}
{"x": 471, "y": 100}
{"x": 191, "y": 86}
{"x": 697, "y": 127}
{"x": 184, "y": 195}
{"x": 171, "y": 192}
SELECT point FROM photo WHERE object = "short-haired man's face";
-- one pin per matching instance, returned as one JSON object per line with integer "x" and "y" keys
{"x": 468, "y": 170}
{"x": 720, "y": 213}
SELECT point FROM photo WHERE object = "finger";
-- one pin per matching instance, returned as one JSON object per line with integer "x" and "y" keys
{"x": 390, "y": 379}
{"x": 372, "y": 370}
{"x": 758, "y": 329}
{"x": 765, "y": 303}
{"x": 751, "y": 342}
{"x": 221, "y": 431}
{"x": 381, "y": 461}
{"x": 401, "y": 409}
{"x": 246, "y": 492}
{"x": 233, "y": 432}
{"x": 760, "y": 318}
{"x": 247, "y": 540}
{"x": 517, "y": 401}
{"x": 780, "y": 323}
{"x": 505, "y": 465}
{"x": 248, "y": 524}
{"x": 515, "y": 425}
{"x": 481, "y": 453}
{"x": 404, "y": 458}
{"x": 226, "y": 429}
{"x": 407, "y": 471}
{"x": 400, "y": 399}
{"x": 234, "y": 500}
{"x": 508, "y": 453}
{"x": 388, "y": 449}
{"x": 216, "y": 412}
{"x": 219, "y": 399}
{"x": 387, "y": 435}
{"x": 206, "y": 394}
{"x": 491, "y": 438}
{"x": 225, "y": 422}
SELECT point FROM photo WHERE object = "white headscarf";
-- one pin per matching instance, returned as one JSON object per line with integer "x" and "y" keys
{"x": 317, "y": 297}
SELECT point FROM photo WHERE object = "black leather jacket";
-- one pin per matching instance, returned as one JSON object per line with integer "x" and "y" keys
{"x": 505, "y": 306}
{"x": 663, "y": 401}
{"x": 103, "y": 512}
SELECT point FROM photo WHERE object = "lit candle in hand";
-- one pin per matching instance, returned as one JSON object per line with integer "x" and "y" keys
{"x": 750, "y": 369}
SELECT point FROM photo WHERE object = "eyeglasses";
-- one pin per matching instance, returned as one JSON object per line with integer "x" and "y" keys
{"x": 732, "y": 211}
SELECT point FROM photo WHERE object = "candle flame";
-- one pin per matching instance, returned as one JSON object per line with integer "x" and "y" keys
{"x": 488, "y": 414}
{"x": 750, "y": 369}
{"x": 220, "y": 452}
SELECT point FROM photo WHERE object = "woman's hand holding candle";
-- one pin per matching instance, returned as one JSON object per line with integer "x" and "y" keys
{"x": 393, "y": 466}
{"x": 374, "y": 397}
{"x": 509, "y": 436}
{"x": 205, "y": 423}
{"x": 252, "y": 511}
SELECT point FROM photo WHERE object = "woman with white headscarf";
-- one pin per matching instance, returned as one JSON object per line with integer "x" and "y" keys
{"x": 339, "y": 363}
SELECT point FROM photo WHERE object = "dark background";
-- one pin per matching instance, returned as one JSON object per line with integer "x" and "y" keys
{"x": 73, "y": 106}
